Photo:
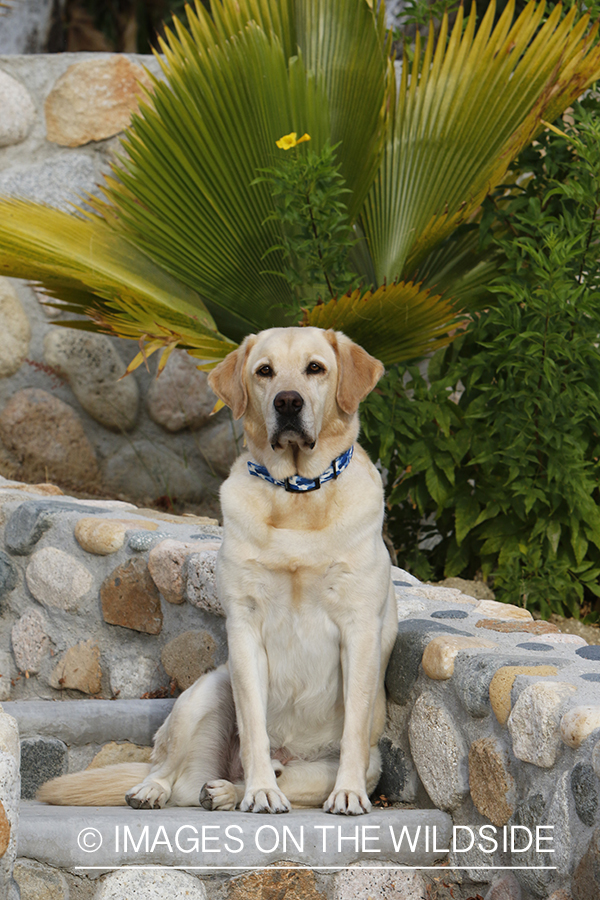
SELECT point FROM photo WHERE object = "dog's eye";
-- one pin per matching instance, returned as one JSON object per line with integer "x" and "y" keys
{"x": 265, "y": 371}
{"x": 313, "y": 368}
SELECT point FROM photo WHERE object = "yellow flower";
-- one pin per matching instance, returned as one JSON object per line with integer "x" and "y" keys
{"x": 289, "y": 140}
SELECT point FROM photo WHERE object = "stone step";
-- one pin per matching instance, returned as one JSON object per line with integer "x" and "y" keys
{"x": 97, "y": 839}
{"x": 89, "y": 721}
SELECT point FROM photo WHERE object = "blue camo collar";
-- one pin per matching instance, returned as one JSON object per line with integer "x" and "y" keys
{"x": 296, "y": 484}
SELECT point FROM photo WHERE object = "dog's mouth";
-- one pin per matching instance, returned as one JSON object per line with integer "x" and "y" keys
{"x": 292, "y": 435}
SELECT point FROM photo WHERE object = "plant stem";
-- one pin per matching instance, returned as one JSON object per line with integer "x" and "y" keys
{"x": 316, "y": 234}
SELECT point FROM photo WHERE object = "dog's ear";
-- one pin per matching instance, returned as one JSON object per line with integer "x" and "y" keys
{"x": 228, "y": 380}
{"x": 358, "y": 371}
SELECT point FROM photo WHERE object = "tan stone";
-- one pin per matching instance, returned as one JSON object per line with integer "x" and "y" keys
{"x": 501, "y": 686}
{"x": 477, "y": 589}
{"x": 188, "y": 656}
{"x": 38, "y": 881}
{"x": 105, "y": 536}
{"x": 93, "y": 100}
{"x": 130, "y": 598}
{"x": 577, "y": 724}
{"x": 4, "y": 831}
{"x": 113, "y": 753}
{"x": 493, "y": 609}
{"x": 274, "y": 884}
{"x": 47, "y": 438}
{"x": 166, "y": 563}
{"x": 30, "y": 641}
{"x": 48, "y": 489}
{"x": 15, "y": 330}
{"x": 79, "y": 669}
{"x": 440, "y": 653}
{"x": 520, "y": 626}
{"x": 491, "y": 784}
{"x": 168, "y": 517}
{"x": 441, "y": 594}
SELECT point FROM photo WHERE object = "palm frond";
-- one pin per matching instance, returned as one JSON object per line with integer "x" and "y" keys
{"x": 464, "y": 110}
{"x": 396, "y": 322}
{"x": 91, "y": 269}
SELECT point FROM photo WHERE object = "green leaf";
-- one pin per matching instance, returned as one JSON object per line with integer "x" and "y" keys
{"x": 467, "y": 515}
{"x": 553, "y": 532}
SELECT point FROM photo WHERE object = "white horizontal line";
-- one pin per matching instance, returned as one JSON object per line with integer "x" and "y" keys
{"x": 353, "y": 868}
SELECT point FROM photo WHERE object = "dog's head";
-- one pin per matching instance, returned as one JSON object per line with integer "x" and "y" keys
{"x": 299, "y": 389}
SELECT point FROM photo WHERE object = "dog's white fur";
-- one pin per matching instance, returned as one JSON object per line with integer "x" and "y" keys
{"x": 305, "y": 580}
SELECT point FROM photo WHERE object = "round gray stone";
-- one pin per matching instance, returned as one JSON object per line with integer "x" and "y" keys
{"x": 151, "y": 885}
{"x": 56, "y": 579}
{"x": 18, "y": 111}
{"x": 41, "y": 759}
{"x": 146, "y": 540}
{"x": 93, "y": 367}
{"x": 591, "y": 652}
{"x": 591, "y": 676}
{"x": 449, "y": 614}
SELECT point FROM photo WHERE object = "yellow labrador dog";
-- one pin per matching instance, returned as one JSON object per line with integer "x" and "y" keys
{"x": 294, "y": 718}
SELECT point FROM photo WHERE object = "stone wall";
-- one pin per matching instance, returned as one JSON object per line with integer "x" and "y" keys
{"x": 492, "y": 718}
{"x": 64, "y": 415}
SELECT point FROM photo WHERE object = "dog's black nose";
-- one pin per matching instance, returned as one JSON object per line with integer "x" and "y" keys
{"x": 288, "y": 403}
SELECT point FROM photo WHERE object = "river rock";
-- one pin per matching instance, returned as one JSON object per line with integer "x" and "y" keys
{"x": 201, "y": 584}
{"x": 501, "y": 687}
{"x": 440, "y": 653}
{"x": 93, "y": 367}
{"x": 492, "y": 785}
{"x": 79, "y": 669}
{"x": 14, "y": 324}
{"x": 114, "y": 753}
{"x": 93, "y": 100}
{"x": 534, "y": 722}
{"x": 180, "y": 397}
{"x": 577, "y": 724}
{"x": 30, "y": 641}
{"x": 439, "y": 752}
{"x": 130, "y": 678}
{"x": 47, "y": 437}
{"x": 188, "y": 656}
{"x": 105, "y": 536}
{"x": 167, "y": 565}
{"x": 57, "y": 580}
{"x": 130, "y": 598}
{"x": 150, "y": 885}
{"x": 18, "y": 111}
{"x": 56, "y": 182}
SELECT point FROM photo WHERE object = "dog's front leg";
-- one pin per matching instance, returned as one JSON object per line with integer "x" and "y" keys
{"x": 360, "y": 658}
{"x": 249, "y": 679}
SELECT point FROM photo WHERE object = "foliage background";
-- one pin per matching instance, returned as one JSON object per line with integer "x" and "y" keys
{"x": 498, "y": 448}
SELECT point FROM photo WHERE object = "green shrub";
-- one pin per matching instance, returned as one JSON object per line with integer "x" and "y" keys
{"x": 498, "y": 450}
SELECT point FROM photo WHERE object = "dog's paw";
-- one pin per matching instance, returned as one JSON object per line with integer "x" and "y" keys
{"x": 147, "y": 795}
{"x": 218, "y": 795}
{"x": 269, "y": 800}
{"x": 347, "y": 803}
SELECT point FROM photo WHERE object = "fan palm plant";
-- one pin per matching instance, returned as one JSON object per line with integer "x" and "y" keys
{"x": 174, "y": 255}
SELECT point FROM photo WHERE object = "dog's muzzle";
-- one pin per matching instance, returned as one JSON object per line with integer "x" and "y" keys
{"x": 288, "y": 407}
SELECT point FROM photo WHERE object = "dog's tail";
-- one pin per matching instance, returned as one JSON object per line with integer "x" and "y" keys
{"x": 94, "y": 787}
